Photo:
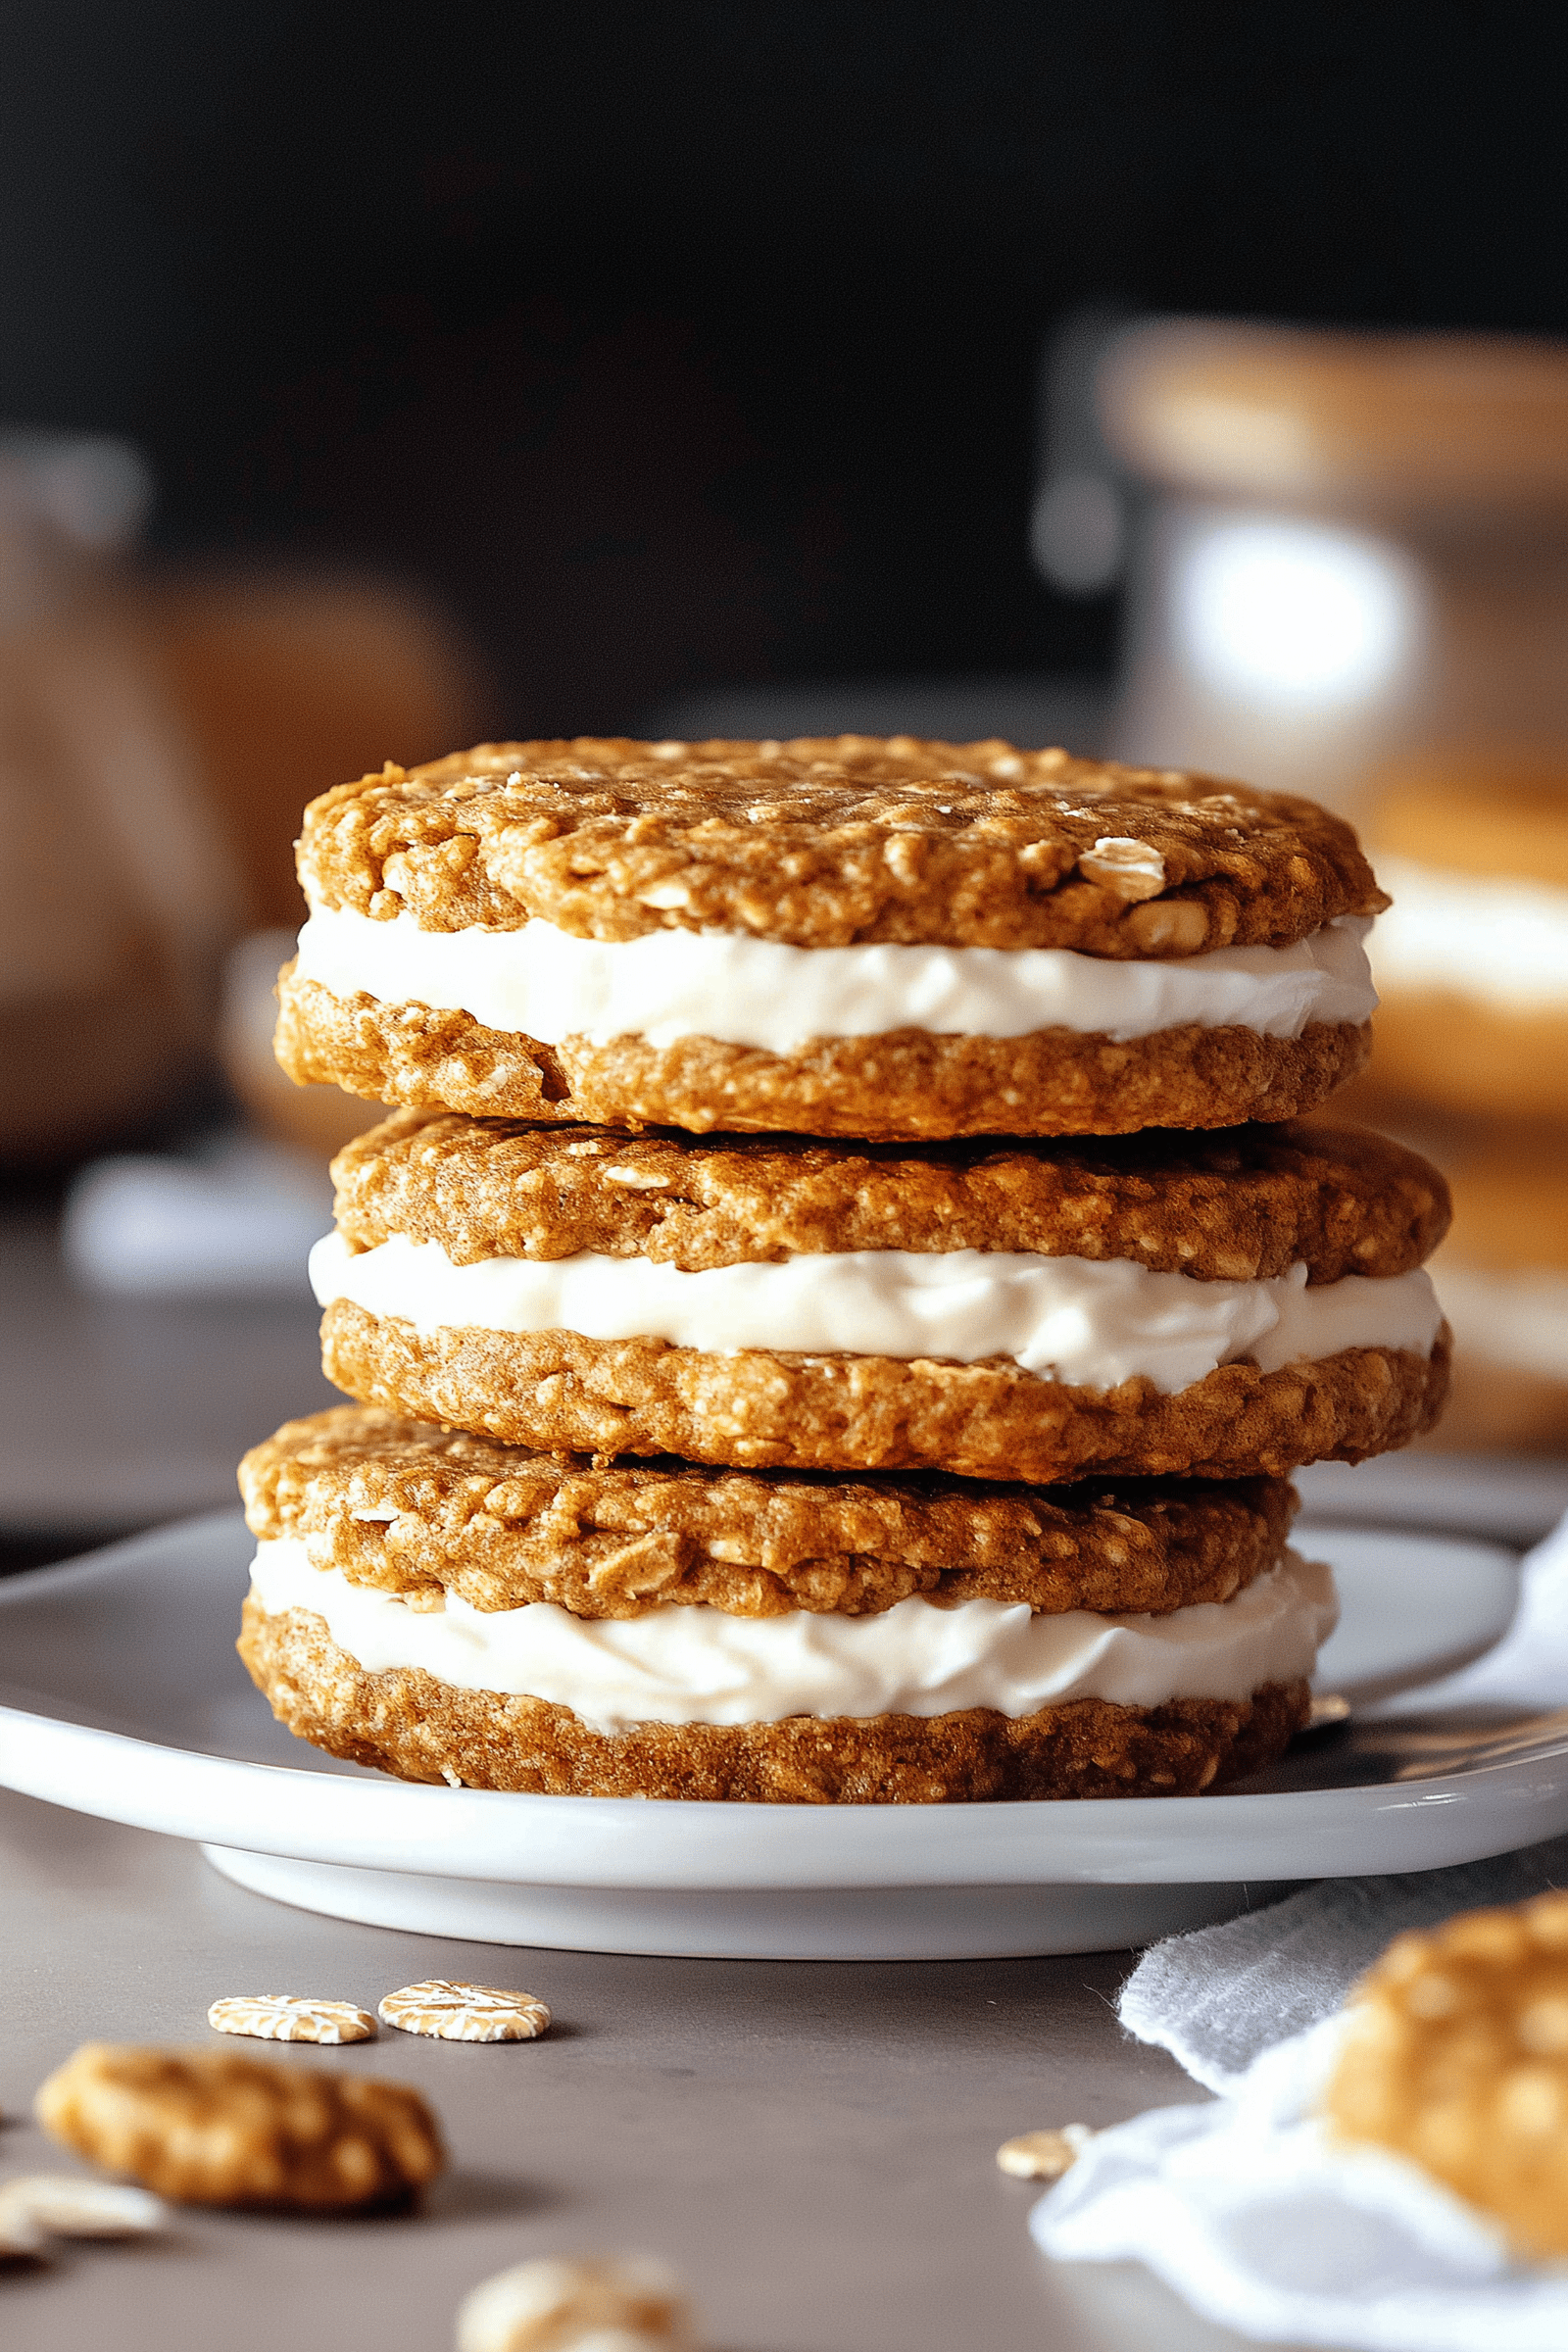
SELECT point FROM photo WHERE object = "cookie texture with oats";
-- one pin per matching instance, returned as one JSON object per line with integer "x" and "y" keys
{"x": 834, "y": 841}
{"x": 761, "y": 1409}
{"x": 1239, "y": 1207}
{"x": 409, "y": 1508}
{"x": 407, "y": 1722}
{"x": 909, "y": 1084}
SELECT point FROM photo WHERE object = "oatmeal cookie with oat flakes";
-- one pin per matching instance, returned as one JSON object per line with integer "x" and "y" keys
{"x": 963, "y": 860}
{"x": 220, "y": 2128}
{"x": 409, "y": 1508}
{"x": 907, "y": 1085}
{"x": 759, "y": 1409}
{"x": 832, "y": 842}
{"x": 1241, "y": 1206}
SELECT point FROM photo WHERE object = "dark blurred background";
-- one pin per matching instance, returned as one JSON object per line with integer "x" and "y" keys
{"x": 692, "y": 343}
{"x": 519, "y": 370}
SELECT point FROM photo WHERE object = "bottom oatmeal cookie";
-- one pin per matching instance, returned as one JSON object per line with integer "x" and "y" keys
{"x": 219, "y": 2128}
{"x": 412, "y": 1723}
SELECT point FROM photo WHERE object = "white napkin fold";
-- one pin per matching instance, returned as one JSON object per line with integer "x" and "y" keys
{"x": 1245, "y": 2208}
{"x": 1221, "y": 1996}
{"x": 1241, "y": 2205}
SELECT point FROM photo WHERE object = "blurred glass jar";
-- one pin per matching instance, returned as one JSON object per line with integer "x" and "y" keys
{"x": 1357, "y": 550}
{"x": 1350, "y": 578}
{"x": 117, "y": 890}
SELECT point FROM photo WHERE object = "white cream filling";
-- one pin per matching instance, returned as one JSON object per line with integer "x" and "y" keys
{"x": 698, "y": 1665}
{"x": 1086, "y": 1322}
{"x": 1473, "y": 935}
{"x": 756, "y": 991}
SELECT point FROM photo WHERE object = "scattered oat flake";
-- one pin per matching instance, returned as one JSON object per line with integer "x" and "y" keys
{"x": 453, "y": 2012}
{"x": 290, "y": 2017}
{"x": 557, "y": 2305}
{"x": 1044, "y": 2155}
{"x": 1131, "y": 868}
{"x": 67, "y": 2205}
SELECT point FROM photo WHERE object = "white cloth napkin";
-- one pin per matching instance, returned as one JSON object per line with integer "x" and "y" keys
{"x": 1217, "y": 1997}
{"x": 1244, "y": 2207}
{"x": 1240, "y": 2204}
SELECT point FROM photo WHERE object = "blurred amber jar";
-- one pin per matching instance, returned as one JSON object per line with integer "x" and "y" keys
{"x": 1357, "y": 551}
{"x": 1353, "y": 584}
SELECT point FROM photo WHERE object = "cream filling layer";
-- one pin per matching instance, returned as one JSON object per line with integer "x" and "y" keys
{"x": 1092, "y": 1323}
{"x": 1502, "y": 942}
{"x": 698, "y": 1665}
{"x": 552, "y": 986}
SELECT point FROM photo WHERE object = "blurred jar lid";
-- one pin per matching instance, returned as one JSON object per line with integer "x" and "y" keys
{"x": 1307, "y": 415}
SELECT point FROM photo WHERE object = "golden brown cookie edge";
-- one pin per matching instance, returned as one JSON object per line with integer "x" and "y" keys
{"x": 407, "y": 1722}
{"x": 502, "y": 1527}
{"x": 761, "y": 1409}
{"x": 906, "y": 1086}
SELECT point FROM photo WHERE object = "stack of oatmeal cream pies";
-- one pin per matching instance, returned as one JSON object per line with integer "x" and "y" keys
{"x": 835, "y": 1318}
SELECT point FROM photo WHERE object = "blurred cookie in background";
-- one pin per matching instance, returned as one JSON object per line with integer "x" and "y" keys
{"x": 279, "y": 681}
{"x": 1470, "y": 1063}
{"x": 286, "y": 682}
{"x": 118, "y": 887}
{"x": 158, "y": 734}
{"x": 1471, "y": 961}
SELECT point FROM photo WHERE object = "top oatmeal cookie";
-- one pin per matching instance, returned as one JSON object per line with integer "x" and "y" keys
{"x": 835, "y": 841}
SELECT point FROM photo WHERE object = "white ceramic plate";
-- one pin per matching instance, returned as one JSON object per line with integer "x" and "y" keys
{"x": 125, "y": 1699}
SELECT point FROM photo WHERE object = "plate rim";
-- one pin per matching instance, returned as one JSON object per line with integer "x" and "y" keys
{"x": 992, "y": 1842}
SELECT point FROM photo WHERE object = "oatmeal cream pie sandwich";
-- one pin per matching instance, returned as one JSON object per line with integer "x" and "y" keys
{"x": 447, "y": 1608}
{"x": 844, "y": 936}
{"x": 1218, "y": 1305}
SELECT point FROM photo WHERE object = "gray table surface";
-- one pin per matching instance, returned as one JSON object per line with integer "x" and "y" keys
{"x": 812, "y": 2143}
